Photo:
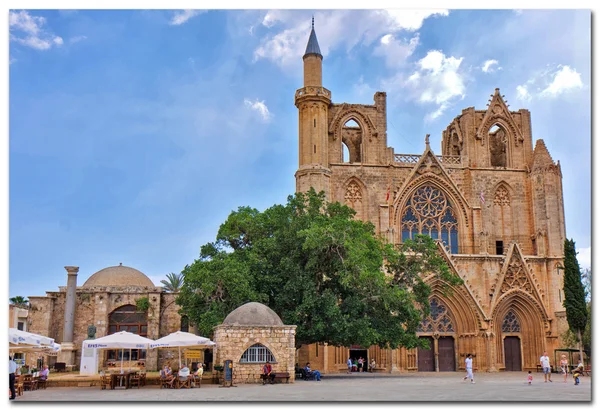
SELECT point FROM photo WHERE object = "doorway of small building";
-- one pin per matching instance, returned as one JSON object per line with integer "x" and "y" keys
{"x": 425, "y": 357}
{"x": 356, "y": 354}
{"x": 512, "y": 354}
{"x": 208, "y": 359}
{"x": 446, "y": 355}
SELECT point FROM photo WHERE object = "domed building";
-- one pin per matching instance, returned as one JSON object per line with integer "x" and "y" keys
{"x": 106, "y": 303}
{"x": 252, "y": 335}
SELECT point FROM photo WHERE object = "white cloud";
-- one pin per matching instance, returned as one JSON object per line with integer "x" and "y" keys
{"x": 584, "y": 257}
{"x": 260, "y": 107}
{"x": 77, "y": 39}
{"x": 550, "y": 82}
{"x": 182, "y": 16}
{"x": 31, "y": 27}
{"x": 396, "y": 51}
{"x": 565, "y": 79}
{"x": 522, "y": 93}
{"x": 437, "y": 81}
{"x": 337, "y": 29}
{"x": 412, "y": 20}
{"x": 487, "y": 66}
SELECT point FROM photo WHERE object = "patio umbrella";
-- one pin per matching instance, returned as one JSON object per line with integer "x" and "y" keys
{"x": 51, "y": 350}
{"x": 181, "y": 339}
{"x": 21, "y": 337}
{"x": 119, "y": 340}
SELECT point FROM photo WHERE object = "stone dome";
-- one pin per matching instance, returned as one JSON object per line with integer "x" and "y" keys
{"x": 253, "y": 314}
{"x": 118, "y": 276}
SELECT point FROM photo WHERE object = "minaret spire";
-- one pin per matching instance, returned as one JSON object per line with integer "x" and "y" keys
{"x": 313, "y": 45}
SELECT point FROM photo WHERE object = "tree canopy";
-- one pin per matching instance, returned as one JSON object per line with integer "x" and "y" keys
{"x": 317, "y": 268}
{"x": 19, "y": 301}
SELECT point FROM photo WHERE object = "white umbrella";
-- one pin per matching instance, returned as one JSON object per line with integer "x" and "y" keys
{"x": 181, "y": 339}
{"x": 119, "y": 340}
{"x": 51, "y": 350}
{"x": 20, "y": 337}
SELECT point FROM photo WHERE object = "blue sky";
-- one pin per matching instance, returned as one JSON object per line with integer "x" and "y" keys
{"x": 133, "y": 134}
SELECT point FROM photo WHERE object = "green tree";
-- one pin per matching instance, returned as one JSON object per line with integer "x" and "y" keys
{"x": 19, "y": 301}
{"x": 574, "y": 303}
{"x": 318, "y": 268}
{"x": 173, "y": 283}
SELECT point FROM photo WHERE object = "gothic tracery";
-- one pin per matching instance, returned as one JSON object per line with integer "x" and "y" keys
{"x": 502, "y": 197}
{"x": 438, "y": 321}
{"x": 510, "y": 324}
{"x": 515, "y": 277}
{"x": 429, "y": 212}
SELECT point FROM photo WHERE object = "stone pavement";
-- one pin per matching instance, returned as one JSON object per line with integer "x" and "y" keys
{"x": 354, "y": 387}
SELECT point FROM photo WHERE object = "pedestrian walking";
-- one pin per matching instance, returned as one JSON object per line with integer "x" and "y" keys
{"x": 469, "y": 368}
{"x": 545, "y": 363}
{"x": 529, "y": 377}
{"x": 349, "y": 363}
{"x": 564, "y": 367}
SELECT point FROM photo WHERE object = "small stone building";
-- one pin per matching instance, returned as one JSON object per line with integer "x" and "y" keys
{"x": 251, "y": 335}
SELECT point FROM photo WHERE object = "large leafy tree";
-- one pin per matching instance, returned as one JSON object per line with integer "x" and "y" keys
{"x": 318, "y": 268}
{"x": 574, "y": 303}
{"x": 173, "y": 282}
{"x": 19, "y": 301}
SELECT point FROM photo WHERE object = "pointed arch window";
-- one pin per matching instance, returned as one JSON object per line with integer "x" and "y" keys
{"x": 429, "y": 212}
{"x": 510, "y": 324}
{"x": 438, "y": 321}
{"x": 257, "y": 354}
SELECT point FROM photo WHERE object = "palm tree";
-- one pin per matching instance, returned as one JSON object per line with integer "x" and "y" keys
{"x": 173, "y": 283}
{"x": 19, "y": 301}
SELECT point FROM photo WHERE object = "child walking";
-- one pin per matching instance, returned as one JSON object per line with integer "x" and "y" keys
{"x": 469, "y": 367}
{"x": 529, "y": 377}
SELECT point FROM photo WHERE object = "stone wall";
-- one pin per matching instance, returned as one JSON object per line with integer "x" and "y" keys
{"x": 233, "y": 341}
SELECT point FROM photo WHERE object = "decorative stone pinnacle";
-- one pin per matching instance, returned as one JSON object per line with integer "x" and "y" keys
{"x": 427, "y": 139}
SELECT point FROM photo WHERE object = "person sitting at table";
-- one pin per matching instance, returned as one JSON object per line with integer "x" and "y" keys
{"x": 44, "y": 373}
{"x": 184, "y": 373}
{"x": 167, "y": 375}
{"x": 314, "y": 373}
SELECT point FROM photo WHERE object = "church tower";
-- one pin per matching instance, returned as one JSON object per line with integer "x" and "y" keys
{"x": 313, "y": 101}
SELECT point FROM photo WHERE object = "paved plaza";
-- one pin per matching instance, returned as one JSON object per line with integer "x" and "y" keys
{"x": 354, "y": 387}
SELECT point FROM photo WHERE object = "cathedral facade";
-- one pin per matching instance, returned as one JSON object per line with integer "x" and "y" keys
{"x": 492, "y": 199}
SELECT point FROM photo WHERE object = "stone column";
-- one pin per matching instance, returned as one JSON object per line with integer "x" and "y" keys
{"x": 67, "y": 354}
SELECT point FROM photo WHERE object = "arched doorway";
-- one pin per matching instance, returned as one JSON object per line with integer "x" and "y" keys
{"x": 438, "y": 332}
{"x": 511, "y": 330}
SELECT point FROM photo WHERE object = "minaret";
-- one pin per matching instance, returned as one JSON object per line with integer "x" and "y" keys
{"x": 313, "y": 102}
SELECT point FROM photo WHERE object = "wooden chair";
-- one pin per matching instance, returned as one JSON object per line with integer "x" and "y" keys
{"x": 41, "y": 383}
{"x": 27, "y": 381}
{"x": 104, "y": 381}
{"x": 166, "y": 383}
{"x": 197, "y": 380}
{"x": 184, "y": 383}
{"x": 135, "y": 380}
{"x": 143, "y": 378}
{"x": 19, "y": 388}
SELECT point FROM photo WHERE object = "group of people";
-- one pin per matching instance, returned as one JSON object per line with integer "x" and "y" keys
{"x": 360, "y": 365}
{"x": 564, "y": 367}
{"x": 166, "y": 373}
{"x": 546, "y": 369}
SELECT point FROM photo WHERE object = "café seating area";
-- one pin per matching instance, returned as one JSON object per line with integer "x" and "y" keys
{"x": 28, "y": 382}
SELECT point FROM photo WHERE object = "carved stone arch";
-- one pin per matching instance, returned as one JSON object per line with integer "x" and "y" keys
{"x": 505, "y": 121}
{"x": 458, "y": 202}
{"x": 533, "y": 323}
{"x": 454, "y": 130}
{"x": 346, "y": 114}
{"x": 463, "y": 309}
{"x": 350, "y": 197}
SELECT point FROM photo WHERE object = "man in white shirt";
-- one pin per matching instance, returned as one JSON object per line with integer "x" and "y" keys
{"x": 12, "y": 369}
{"x": 469, "y": 367}
{"x": 184, "y": 373}
{"x": 545, "y": 363}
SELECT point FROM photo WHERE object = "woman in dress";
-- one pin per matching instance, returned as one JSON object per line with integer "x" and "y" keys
{"x": 564, "y": 366}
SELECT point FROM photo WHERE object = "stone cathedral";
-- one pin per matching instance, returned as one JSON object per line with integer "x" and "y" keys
{"x": 493, "y": 201}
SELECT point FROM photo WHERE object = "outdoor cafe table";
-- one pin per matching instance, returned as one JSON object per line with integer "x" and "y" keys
{"x": 120, "y": 376}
